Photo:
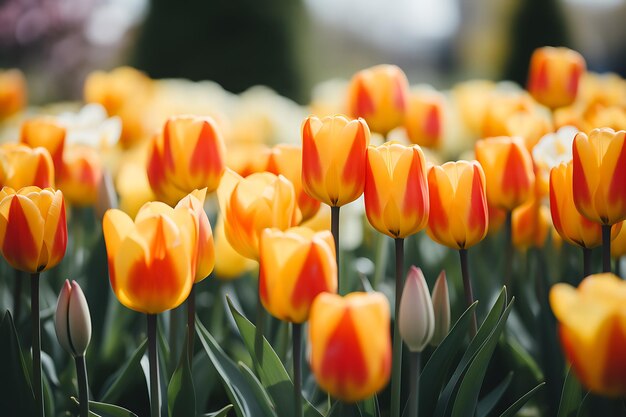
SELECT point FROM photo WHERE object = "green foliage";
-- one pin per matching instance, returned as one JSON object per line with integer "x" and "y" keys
{"x": 181, "y": 396}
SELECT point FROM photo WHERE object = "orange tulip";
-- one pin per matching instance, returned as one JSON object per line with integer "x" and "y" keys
{"x": 396, "y": 192}
{"x": 554, "y": 76}
{"x": 508, "y": 170}
{"x": 618, "y": 244}
{"x": 33, "y": 230}
{"x": 47, "y": 133}
{"x": 531, "y": 224}
{"x": 379, "y": 95}
{"x": 247, "y": 158}
{"x": 295, "y": 267}
{"x": 459, "y": 217}
{"x": 252, "y": 204}
{"x": 600, "y": 175}
{"x": 13, "y": 94}
{"x": 205, "y": 255}
{"x": 188, "y": 155}
{"x": 592, "y": 327}
{"x": 423, "y": 119}
{"x": 22, "y": 166}
{"x": 287, "y": 160}
{"x": 350, "y": 344}
{"x": 333, "y": 158}
{"x": 81, "y": 177}
{"x": 501, "y": 106}
{"x": 151, "y": 260}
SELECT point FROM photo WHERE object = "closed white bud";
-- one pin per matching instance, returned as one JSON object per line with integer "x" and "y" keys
{"x": 72, "y": 319}
{"x": 416, "y": 318}
{"x": 441, "y": 307}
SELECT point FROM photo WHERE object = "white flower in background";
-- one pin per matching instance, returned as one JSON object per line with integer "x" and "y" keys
{"x": 329, "y": 98}
{"x": 91, "y": 126}
{"x": 554, "y": 148}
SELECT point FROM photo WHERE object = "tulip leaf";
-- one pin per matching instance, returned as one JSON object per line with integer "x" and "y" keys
{"x": 571, "y": 396}
{"x": 491, "y": 400}
{"x": 126, "y": 374}
{"x": 517, "y": 405}
{"x": 17, "y": 397}
{"x": 261, "y": 394}
{"x": 369, "y": 407}
{"x": 97, "y": 409}
{"x": 220, "y": 413}
{"x": 181, "y": 397}
{"x": 467, "y": 395}
{"x": 237, "y": 388}
{"x": 272, "y": 373}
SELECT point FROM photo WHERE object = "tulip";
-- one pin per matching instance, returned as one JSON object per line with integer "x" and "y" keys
{"x": 188, "y": 155}
{"x": 151, "y": 260}
{"x": 287, "y": 160}
{"x": 13, "y": 94}
{"x": 333, "y": 158}
{"x": 502, "y": 105}
{"x": 417, "y": 318}
{"x": 508, "y": 171}
{"x": 423, "y": 119}
{"x": 599, "y": 181}
{"x": 205, "y": 255}
{"x": 458, "y": 205}
{"x": 22, "y": 166}
{"x": 396, "y": 192}
{"x": 530, "y": 126}
{"x": 379, "y": 95}
{"x": 248, "y": 158}
{"x": 441, "y": 309}
{"x": 72, "y": 320}
{"x": 133, "y": 187}
{"x": 591, "y": 328}
{"x": 531, "y": 224}
{"x": 229, "y": 264}
{"x": 472, "y": 99}
{"x": 82, "y": 172}
{"x": 554, "y": 76}
{"x": 552, "y": 150}
{"x": 295, "y": 266}
{"x": 350, "y": 348}
{"x": 47, "y": 133}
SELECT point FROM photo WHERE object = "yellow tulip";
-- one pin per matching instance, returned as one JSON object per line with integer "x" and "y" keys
{"x": 82, "y": 172}
{"x": 47, "y": 133}
{"x": 229, "y": 264}
{"x": 22, "y": 166}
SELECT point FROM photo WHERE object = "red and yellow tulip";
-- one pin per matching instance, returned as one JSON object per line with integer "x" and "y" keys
{"x": 333, "y": 158}
{"x": 82, "y": 172}
{"x": 295, "y": 267}
{"x": 152, "y": 259}
{"x": 423, "y": 119}
{"x": 508, "y": 171}
{"x": 599, "y": 175}
{"x": 22, "y": 166}
{"x": 188, "y": 155}
{"x": 531, "y": 224}
{"x": 47, "y": 133}
{"x": 33, "y": 229}
{"x": 396, "y": 191}
{"x": 554, "y": 76}
{"x": 459, "y": 216}
{"x": 350, "y": 344}
{"x": 379, "y": 95}
{"x": 592, "y": 327}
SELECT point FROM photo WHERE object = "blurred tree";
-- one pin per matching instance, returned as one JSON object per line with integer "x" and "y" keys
{"x": 237, "y": 43}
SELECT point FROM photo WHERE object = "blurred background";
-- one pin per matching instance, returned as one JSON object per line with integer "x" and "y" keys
{"x": 292, "y": 45}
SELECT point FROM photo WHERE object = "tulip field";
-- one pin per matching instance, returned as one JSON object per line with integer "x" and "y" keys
{"x": 387, "y": 250}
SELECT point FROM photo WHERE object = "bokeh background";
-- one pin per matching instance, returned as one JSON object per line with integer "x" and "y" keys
{"x": 292, "y": 45}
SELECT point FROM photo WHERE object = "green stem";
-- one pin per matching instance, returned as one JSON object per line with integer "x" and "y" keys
{"x": 467, "y": 288}
{"x": 586, "y": 262}
{"x": 396, "y": 373}
{"x": 258, "y": 331}
{"x": 173, "y": 339}
{"x": 334, "y": 228}
{"x": 380, "y": 264}
{"x": 415, "y": 383}
{"x": 606, "y": 248}
{"x": 297, "y": 369}
{"x": 17, "y": 296}
{"x": 508, "y": 255}
{"x": 34, "y": 307}
{"x": 154, "y": 366}
{"x": 83, "y": 388}
{"x": 191, "y": 322}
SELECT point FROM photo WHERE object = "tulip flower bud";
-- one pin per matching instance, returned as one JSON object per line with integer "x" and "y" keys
{"x": 13, "y": 94}
{"x": 72, "y": 320}
{"x": 107, "y": 197}
{"x": 48, "y": 133}
{"x": 22, "y": 166}
{"x": 82, "y": 170}
{"x": 416, "y": 316}
{"x": 423, "y": 120}
{"x": 441, "y": 309}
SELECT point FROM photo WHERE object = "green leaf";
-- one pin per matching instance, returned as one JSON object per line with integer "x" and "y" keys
{"x": 467, "y": 396}
{"x": 97, "y": 409}
{"x": 369, "y": 407}
{"x": 517, "y": 405}
{"x": 220, "y": 413}
{"x": 181, "y": 397}
{"x": 571, "y": 396}
{"x": 272, "y": 373}
{"x": 127, "y": 373}
{"x": 491, "y": 400}
{"x": 261, "y": 394}
{"x": 17, "y": 397}
{"x": 440, "y": 361}
{"x": 239, "y": 391}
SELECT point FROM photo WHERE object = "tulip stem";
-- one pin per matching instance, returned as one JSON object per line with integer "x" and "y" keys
{"x": 297, "y": 368}
{"x": 17, "y": 296}
{"x": 415, "y": 359}
{"x": 618, "y": 267}
{"x": 154, "y": 365}
{"x": 258, "y": 331}
{"x": 586, "y": 262}
{"x": 191, "y": 321}
{"x": 606, "y": 248}
{"x": 35, "y": 318}
{"x": 508, "y": 256}
{"x": 173, "y": 338}
{"x": 467, "y": 288}
{"x": 334, "y": 228}
{"x": 83, "y": 389}
{"x": 396, "y": 375}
